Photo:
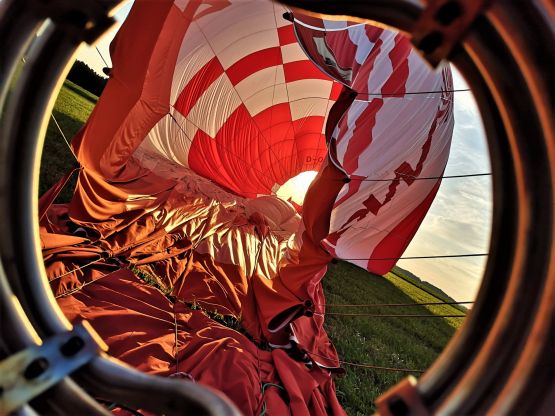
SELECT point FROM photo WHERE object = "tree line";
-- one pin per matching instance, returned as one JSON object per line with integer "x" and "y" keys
{"x": 84, "y": 76}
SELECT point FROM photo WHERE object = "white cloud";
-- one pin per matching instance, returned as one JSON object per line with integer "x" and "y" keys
{"x": 459, "y": 221}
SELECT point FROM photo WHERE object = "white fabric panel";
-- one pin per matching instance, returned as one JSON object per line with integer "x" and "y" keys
{"x": 193, "y": 55}
{"x": 357, "y": 35}
{"x": 330, "y": 104}
{"x": 292, "y": 53}
{"x": 171, "y": 138}
{"x": 262, "y": 99}
{"x": 215, "y": 106}
{"x": 254, "y": 42}
{"x": 232, "y": 39}
{"x": 181, "y": 4}
{"x": 278, "y": 15}
{"x": 313, "y": 88}
{"x": 259, "y": 82}
{"x": 308, "y": 107}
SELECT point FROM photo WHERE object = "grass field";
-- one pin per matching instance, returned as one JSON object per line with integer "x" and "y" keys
{"x": 412, "y": 343}
{"x": 73, "y": 106}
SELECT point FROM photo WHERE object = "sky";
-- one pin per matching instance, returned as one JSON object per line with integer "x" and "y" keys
{"x": 459, "y": 221}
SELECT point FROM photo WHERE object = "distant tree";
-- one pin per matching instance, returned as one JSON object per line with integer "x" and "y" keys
{"x": 84, "y": 76}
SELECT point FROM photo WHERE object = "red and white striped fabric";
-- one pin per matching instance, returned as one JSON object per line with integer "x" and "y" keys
{"x": 397, "y": 130}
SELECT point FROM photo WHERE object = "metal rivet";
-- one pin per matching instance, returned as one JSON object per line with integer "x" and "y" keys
{"x": 448, "y": 13}
{"x": 72, "y": 346}
{"x": 36, "y": 368}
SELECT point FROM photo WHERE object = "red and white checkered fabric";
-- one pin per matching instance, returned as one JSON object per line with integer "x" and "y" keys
{"x": 248, "y": 107}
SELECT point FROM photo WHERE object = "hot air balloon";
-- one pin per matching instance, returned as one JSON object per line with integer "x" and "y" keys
{"x": 211, "y": 108}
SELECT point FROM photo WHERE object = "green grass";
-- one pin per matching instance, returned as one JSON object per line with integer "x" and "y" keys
{"x": 391, "y": 342}
{"x": 73, "y": 107}
{"x": 412, "y": 343}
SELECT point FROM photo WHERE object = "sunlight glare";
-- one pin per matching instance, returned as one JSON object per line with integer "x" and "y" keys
{"x": 296, "y": 187}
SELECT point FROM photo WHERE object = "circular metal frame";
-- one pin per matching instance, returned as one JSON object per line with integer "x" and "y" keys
{"x": 499, "y": 362}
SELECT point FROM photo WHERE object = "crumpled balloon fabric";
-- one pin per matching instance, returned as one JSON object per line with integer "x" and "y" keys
{"x": 210, "y": 107}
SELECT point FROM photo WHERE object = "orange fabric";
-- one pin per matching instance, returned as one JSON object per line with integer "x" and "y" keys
{"x": 147, "y": 331}
{"x": 140, "y": 85}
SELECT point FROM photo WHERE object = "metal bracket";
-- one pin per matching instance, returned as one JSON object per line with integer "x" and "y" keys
{"x": 443, "y": 24}
{"x": 28, "y": 373}
{"x": 402, "y": 400}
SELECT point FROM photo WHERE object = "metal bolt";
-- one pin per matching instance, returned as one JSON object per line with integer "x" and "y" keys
{"x": 36, "y": 368}
{"x": 72, "y": 346}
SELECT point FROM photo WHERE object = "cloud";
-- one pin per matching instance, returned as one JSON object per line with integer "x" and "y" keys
{"x": 459, "y": 221}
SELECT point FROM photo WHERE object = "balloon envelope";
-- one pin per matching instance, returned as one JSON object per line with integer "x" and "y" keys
{"x": 211, "y": 108}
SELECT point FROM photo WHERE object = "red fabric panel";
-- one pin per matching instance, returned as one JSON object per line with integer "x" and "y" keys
{"x": 225, "y": 158}
{"x": 298, "y": 70}
{"x": 254, "y": 62}
{"x": 198, "y": 85}
{"x": 283, "y": 298}
{"x": 336, "y": 91}
{"x": 365, "y": 123}
{"x": 396, "y": 83}
{"x": 286, "y": 35}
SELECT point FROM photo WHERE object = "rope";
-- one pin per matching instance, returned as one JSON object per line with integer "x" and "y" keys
{"x": 373, "y": 315}
{"x": 380, "y": 305}
{"x": 84, "y": 285}
{"x": 63, "y": 135}
{"x": 423, "y": 257}
{"x": 77, "y": 269}
{"x": 369, "y": 366}
{"x": 416, "y": 178}
{"x": 102, "y": 57}
{"x": 263, "y": 389}
{"x": 401, "y": 94}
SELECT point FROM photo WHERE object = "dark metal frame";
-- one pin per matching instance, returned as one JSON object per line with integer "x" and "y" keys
{"x": 500, "y": 361}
